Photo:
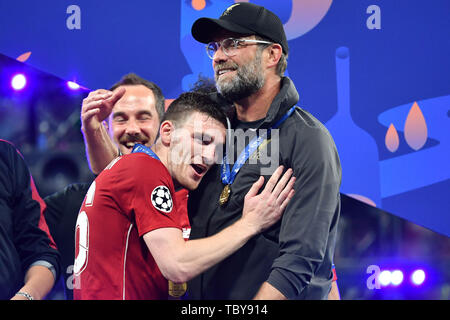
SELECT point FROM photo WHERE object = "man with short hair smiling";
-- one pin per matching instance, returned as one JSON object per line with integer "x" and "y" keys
{"x": 131, "y": 112}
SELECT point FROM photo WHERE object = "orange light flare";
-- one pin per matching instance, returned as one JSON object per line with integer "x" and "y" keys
{"x": 391, "y": 139}
{"x": 198, "y": 4}
{"x": 416, "y": 132}
{"x": 24, "y": 56}
{"x": 362, "y": 198}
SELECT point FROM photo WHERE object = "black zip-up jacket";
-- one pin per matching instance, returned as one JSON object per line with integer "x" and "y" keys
{"x": 61, "y": 216}
{"x": 24, "y": 236}
{"x": 295, "y": 255}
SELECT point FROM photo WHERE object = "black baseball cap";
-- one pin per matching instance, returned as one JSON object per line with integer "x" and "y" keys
{"x": 244, "y": 18}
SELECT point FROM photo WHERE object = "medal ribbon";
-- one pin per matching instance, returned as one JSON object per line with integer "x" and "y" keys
{"x": 140, "y": 148}
{"x": 228, "y": 175}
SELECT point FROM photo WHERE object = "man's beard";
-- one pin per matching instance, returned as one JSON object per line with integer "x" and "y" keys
{"x": 248, "y": 80}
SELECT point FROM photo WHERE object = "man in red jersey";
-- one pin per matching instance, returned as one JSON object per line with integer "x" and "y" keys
{"x": 128, "y": 113}
{"x": 129, "y": 235}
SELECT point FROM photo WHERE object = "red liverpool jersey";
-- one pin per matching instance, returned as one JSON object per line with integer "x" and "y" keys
{"x": 132, "y": 196}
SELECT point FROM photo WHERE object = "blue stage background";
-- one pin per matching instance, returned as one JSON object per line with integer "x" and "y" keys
{"x": 378, "y": 60}
{"x": 376, "y": 73}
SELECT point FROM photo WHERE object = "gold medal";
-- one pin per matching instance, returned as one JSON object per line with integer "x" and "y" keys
{"x": 225, "y": 195}
{"x": 176, "y": 290}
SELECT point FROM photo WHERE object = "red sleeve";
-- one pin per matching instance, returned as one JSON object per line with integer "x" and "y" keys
{"x": 35, "y": 196}
{"x": 334, "y": 273}
{"x": 42, "y": 223}
{"x": 30, "y": 232}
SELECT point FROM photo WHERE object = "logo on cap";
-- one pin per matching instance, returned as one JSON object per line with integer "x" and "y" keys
{"x": 228, "y": 10}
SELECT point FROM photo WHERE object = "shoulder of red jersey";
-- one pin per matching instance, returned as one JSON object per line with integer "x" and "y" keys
{"x": 139, "y": 166}
{"x": 145, "y": 176}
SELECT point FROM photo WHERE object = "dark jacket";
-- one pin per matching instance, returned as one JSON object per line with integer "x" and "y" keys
{"x": 24, "y": 237}
{"x": 295, "y": 255}
{"x": 61, "y": 215}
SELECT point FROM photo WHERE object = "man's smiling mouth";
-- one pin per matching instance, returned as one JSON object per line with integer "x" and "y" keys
{"x": 130, "y": 145}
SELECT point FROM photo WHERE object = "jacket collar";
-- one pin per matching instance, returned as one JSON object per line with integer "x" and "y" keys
{"x": 285, "y": 99}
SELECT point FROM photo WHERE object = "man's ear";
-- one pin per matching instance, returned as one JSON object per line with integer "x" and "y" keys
{"x": 166, "y": 130}
{"x": 274, "y": 55}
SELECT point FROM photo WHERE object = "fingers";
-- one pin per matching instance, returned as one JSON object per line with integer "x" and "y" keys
{"x": 286, "y": 201}
{"x": 102, "y": 95}
{"x": 102, "y": 91}
{"x": 97, "y": 95}
{"x": 264, "y": 209}
{"x": 273, "y": 180}
{"x": 283, "y": 191}
{"x": 103, "y": 102}
{"x": 116, "y": 95}
{"x": 282, "y": 183}
{"x": 287, "y": 194}
{"x": 88, "y": 111}
{"x": 255, "y": 187}
{"x": 89, "y": 114}
{"x": 92, "y": 105}
{"x": 94, "y": 100}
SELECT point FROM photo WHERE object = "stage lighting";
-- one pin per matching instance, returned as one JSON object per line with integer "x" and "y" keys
{"x": 385, "y": 278}
{"x": 18, "y": 82}
{"x": 72, "y": 85}
{"x": 418, "y": 277}
{"x": 396, "y": 277}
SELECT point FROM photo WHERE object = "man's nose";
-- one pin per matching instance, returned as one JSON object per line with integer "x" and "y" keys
{"x": 132, "y": 127}
{"x": 209, "y": 154}
{"x": 219, "y": 55}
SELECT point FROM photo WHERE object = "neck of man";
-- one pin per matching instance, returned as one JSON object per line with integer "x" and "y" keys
{"x": 256, "y": 106}
{"x": 163, "y": 154}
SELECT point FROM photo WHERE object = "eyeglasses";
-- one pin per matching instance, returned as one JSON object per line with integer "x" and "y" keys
{"x": 230, "y": 45}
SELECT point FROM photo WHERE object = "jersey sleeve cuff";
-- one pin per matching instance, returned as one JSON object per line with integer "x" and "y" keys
{"x": 46, "y": 264}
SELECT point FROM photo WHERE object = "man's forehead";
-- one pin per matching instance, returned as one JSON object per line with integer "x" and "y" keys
{"x": 136, "y": 90}
{"x": 202, "y": 123}
{"x": 199, "y": 119}
{"x": 136, "y": 95}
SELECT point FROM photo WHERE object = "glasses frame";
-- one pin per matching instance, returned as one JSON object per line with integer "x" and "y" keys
{"x": 236, "y": 43}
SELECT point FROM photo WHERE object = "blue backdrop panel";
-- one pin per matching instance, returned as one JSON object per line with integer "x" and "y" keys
{"x": 360, "y": 67}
